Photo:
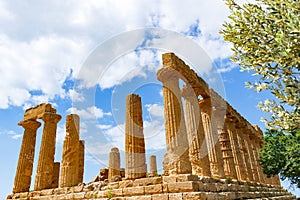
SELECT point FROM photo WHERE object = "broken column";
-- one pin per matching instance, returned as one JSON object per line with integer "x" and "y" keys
{"x": 114, "y": 165}
{"x": 198, "y": 153}
{"x": 134, "y": 139}
{"x": 81, "y": 161}
{"x": 176, "y": 161}
{"x": 153, "y": 166}
{"x": 70, "y": 155}
{"x": 45, "y": 166}
{"x": 26, "y": 157}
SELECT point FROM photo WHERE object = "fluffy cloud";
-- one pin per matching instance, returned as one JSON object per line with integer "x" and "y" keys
{"x": 89, "y": 113}
{"x": 40, "y": 52}
{"x": 11, "y": 134}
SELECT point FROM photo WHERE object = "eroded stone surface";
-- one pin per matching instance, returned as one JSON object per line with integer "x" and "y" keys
{"x": 134, "y": 139}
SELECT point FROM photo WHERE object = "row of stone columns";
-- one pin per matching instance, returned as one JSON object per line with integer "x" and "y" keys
{"x": 47, "y": 174}
{"x": 212, "y": 143}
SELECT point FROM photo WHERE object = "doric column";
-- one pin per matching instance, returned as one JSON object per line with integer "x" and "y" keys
{"x": 81, "y": 161}
{"x": 55, "y": 176}
{"x": 198, "y": 152}
{"x": 257, "y": 144}
{"x": 176, "y": 161}
{"x": 114, "y": 164}
{"x": 212, "y": 138}
{"x": 229, "y": 166}
{"x": 70, "y": 154}
{"x": 236, "y": 150}
{"x": 153, "y": 166}
{"x": 26, "y": 157}
{"x": 134, "y": 139}
{"x": 254, "y": 159}
{"x": 45, "y": 166}
{"x": 244, "y": 151}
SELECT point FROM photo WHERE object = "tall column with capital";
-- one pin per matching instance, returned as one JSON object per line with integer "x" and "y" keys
{"x": 236, "y": 150}
{"x": 26, "y": 157}
{"x": 176, "y": 160}
{"x": 212, "y": 138}
{"x": 45, "y": 166}
{"x": 198, "y": 152}
{"x": 134, "y": 139}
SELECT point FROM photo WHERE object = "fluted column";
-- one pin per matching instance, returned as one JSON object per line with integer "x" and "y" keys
{"x": 236, "y": 150}
{"x": 198, "y": 152}
{"x": 114, "y": 164}
{"x": 153, "y": 166}
{"x": 229, "y": 166}
{"x": 257, "y": 144}
{"x": 176, "y": 161}
{"x": 45, "y": 166}
{"x": 70, "y": 155}
{"x": 134, "y": 139}
{"x": 244, "y": 151}
{"x": 81, "y": 161}
{"x": 212, "y": 139}
{"x": 26, "y": 156}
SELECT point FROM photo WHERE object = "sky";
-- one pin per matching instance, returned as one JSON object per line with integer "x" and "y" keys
{"x": 84, "y": 57}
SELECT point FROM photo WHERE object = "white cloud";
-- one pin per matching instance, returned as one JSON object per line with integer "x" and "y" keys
{"x": 41, "y": 51}
{"x": 155, "y": 110}
{"x": 104, "y": 126}
{"x": 75, "y": 96}
{"x": 89, "y": 113}
{"x": 12, "y": 134}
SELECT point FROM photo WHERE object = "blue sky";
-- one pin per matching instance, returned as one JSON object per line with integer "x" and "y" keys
{"x": 84, "y": 57}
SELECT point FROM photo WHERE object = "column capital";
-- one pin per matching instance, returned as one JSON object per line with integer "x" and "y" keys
{"x": 51, "y": 117}
{"x": 188, "y": 92}
{"x": 167, "y": 73}
{"x": 30, "y": 124}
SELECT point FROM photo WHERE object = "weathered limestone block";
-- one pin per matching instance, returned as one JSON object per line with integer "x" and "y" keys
{"x": 114, "y": 164}
{"x": 198, "y": 152}
{"x": 153, "y": 166}
{"x": 70, "y": 155}
{"x": 134, "y": 139}
{"x": 26, "y": 157}
{"x": 176, "y": 160}
{"x": 38, "y": 111}
{"x": 45, "y": 166}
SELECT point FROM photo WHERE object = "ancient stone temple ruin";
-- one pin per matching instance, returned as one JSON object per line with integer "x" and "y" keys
{"x": 49, "y": 173}
{"x": 212, "y": 152}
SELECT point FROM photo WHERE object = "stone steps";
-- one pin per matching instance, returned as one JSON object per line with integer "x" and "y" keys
{"x": 180, "y": 187}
